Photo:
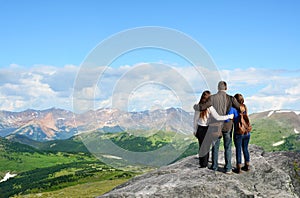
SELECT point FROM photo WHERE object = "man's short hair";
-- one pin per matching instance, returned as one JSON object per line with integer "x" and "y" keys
{"x": 222, "y": 85}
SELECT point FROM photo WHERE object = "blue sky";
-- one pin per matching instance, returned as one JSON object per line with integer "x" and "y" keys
{"x": 257, "y": 39}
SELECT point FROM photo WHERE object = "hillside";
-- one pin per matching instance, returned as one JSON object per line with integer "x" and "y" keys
{"x": 142, "y": 149}
{"x": 276, "y": 130}
{"x": 16, "y": 157}
{"x": 39, "y": 171}
{"x": 70, "y": 145}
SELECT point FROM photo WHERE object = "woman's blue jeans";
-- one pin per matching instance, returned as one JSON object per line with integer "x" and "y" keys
{"x": 241, "y": 144}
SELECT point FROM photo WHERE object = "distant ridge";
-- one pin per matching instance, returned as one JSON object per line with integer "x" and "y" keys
{"x": 52, "y": 124}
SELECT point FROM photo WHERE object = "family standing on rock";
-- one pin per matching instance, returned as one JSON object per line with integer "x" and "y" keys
{"x": 217, "y": 116}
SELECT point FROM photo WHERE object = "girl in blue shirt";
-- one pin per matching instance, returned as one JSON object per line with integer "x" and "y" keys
{"x": 241, "y": 141}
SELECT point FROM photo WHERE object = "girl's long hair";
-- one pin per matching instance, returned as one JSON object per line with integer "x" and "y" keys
{"x": 240, "y": 99}
{"x": 204, "y": 97}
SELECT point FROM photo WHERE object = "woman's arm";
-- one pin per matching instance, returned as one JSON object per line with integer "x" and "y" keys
{"x": 218, "y": 117}
{"x": 196, "y": 118}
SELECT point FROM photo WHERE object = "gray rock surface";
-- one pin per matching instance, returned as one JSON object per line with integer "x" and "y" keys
{"x": 271, "y": 175}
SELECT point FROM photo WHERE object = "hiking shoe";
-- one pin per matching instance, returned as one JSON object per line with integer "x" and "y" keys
{"x": 211, "y": 168}
{"x": 228, "y": 172}
{"x": 237, "y": 169}
{"x": 246, "y": 167}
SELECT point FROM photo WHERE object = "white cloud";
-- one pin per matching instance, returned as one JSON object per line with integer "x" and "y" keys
{"x": 295, "y": 90}
{"x": 250, "y": 76}
{"x": 11, "y": 103}
{"x": 37, "y": 87}
{"x": 135, "y": 78}
{"x": 27, "y": 90}
{"x": 152, "y": 96}
{"x": 266, "y": 89}
{"x": 140, "y": 87}
{"x": 258, "y": 103}
{"x": 263, "y": 89}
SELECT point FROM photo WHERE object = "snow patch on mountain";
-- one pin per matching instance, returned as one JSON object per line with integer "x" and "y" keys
{"x": 287, "y": 111}
{"x": 112, "y": 157}
{"x": 271, "y": 112}
{"x": 278, "y": 143}
{"x": 7, "y": 176}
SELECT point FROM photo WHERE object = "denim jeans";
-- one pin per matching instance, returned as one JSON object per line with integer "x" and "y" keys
{"x": 215, "y": 154}
{"x": 241, "y": 143}
{"x": 227, "y": 138}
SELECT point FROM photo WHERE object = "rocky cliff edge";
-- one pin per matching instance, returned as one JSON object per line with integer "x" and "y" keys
{"x": 272, "y": 174}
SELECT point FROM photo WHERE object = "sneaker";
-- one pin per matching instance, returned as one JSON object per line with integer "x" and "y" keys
{"x": 228, "y": 172}
{"x": 211, "y": 168}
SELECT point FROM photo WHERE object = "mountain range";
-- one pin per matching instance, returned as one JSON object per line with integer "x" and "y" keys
{"x": 53, "y": 124}
{"x": 274, "y": 129}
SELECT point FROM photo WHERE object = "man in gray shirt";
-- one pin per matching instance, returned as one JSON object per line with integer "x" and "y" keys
{"x": 222, "y": 102}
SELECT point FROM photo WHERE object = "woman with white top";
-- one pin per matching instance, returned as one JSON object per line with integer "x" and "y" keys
{"x": 201, "y": 122}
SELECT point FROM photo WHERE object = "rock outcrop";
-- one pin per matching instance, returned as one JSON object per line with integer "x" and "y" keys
{"x": 273, "y": 174}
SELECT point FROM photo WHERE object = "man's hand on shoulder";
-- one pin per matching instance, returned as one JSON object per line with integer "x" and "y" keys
{"x": 196, "y": 107}
{"x": 235, "y": 103}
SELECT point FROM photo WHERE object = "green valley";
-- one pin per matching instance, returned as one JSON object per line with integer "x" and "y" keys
{"x": 40, "y": 171}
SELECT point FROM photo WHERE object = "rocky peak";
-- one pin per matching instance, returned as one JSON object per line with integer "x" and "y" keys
{"x": 271, "y": 175}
